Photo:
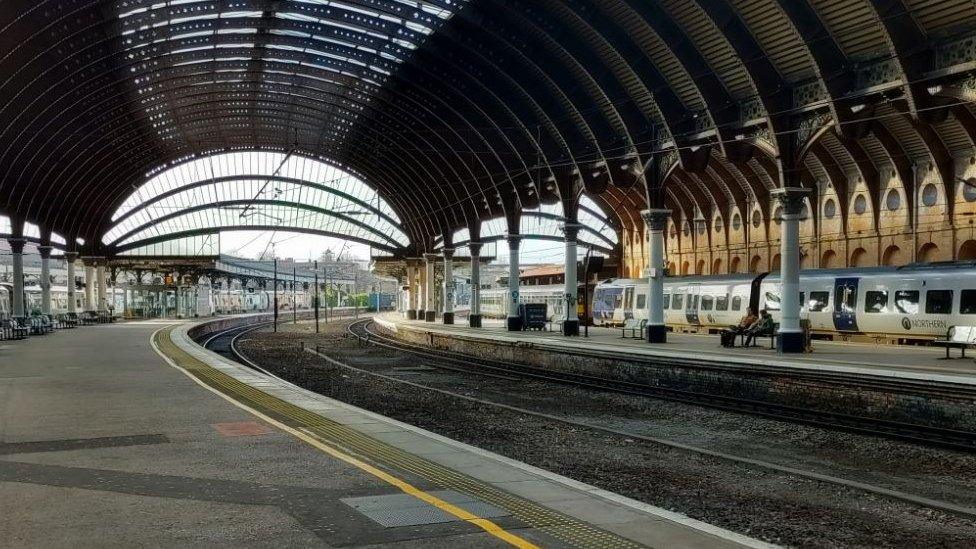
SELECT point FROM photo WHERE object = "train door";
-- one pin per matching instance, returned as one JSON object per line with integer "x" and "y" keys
{"x": 628, "y": 303}
{"x": 845, "y": 304}
{"x": 692, "y": 295}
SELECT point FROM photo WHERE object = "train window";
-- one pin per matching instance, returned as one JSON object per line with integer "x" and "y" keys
{"x": 772, "y": 302}
{"x": 906, "y": 302}
{"x": 875, "y": 301}
{"x": 818, "y": 301}
{"x": 677, "y": 302}
{"x": 938, "y": 302}
{"x": 845, "y": 299}
{"x": 707, "y": 302}
{"x": 737, "y": 303}
{"x": 722, "y": 303}
{"x": 803, "y": 303}
{"x": 641, "y": 301}
{"x": 967, "y": 302}
{"x": 667, "y": 302}
{"x": 693, "y": 302}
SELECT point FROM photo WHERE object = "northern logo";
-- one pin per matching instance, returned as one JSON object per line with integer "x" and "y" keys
{"x": 906, "y": 323}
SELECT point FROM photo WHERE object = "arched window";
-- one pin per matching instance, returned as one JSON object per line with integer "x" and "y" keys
{"x": 254, "y": 190}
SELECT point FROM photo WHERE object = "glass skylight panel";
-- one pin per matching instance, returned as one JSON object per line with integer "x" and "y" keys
{"x": 6, "y": 227}
{"x": 31, "y": 230}
{"x": 241, "y": 176}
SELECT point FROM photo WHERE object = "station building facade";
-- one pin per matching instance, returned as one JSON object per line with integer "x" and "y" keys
{"x": 893, "y": 226}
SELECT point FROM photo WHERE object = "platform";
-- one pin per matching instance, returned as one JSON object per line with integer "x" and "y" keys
{"x": 905, "y": 362}
{"x": 129, "y": 448}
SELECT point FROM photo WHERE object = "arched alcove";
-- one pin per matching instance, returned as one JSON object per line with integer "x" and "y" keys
{"x": 859, "y": 258}
{"x": 967, "y": 252}
{"x": 893, "y": 256}
{"x": 828, "y": 260}
{"x": 754, "y": 264}
{"x": 928, "y": 253}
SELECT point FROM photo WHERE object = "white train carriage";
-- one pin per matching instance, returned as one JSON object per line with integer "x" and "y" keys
{"x": 913, "y": 303}
{"x": 494, "y": 302}
{"x": 257, "y": 300}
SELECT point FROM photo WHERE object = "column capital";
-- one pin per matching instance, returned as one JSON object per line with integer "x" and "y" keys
{"x": 791, "y": 198}
{"x": 571, "y": 230}
{"x": 17, "y": 245}
{"x": 93, "y": 261}
{"x": 45, "y": 251}
{"x": 656, "y": 218}
{"x": 70, "y": 257}
{"x": 475, "y": 248}
{"x": 431, "y": 257}
{"x": 448, "y": 253}
{"x": 513, "y": 240}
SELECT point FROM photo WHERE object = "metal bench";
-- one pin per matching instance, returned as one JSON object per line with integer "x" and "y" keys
{"x": 17, "y": 328}
{"x": 772, "y": 334}
{"x": 555, "y": 324}
{"x": 635, "y": 328}
{"x": 957, "y": 337}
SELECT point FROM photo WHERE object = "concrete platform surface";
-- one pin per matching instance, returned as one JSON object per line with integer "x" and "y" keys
{"x": 103, "y": 442}
{"x": 894, "y": 361}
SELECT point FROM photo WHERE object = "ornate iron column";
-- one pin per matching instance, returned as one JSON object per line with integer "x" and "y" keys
{"x": 571, "y": 297}
{"x": 657, "y": 222}
{"x": 448, "y": 286}
{"x": 790, "y": 338}
{"x": 514, "y": 320}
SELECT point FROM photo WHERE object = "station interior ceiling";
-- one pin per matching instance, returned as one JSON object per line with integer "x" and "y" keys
{"x": 460, "y": 112}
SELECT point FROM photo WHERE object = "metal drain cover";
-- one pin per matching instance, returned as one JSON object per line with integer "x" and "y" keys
{"x": 397, "y": 510}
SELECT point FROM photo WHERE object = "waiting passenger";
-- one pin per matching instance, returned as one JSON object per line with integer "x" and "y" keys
{"x": 728, "y": 336}
{"x": 761, "y": 327}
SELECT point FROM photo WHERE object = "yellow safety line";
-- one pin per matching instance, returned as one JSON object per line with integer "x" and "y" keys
{"x": 404, "y": 486}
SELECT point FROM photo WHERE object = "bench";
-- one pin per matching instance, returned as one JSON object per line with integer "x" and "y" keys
{"x": 88, "y": 317}
{"x": 555, "y": 324}
{"x": 18, "y": 328}
{"x": 635, "y": 328}
{"x": 957, "y": 337}
{"x": 771, "y": 334}
{"x": 65, "y": 320}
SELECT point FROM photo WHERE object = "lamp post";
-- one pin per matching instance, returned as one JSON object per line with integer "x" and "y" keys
{"x": 316, "y": 300}
{"x": 275, "y": 290}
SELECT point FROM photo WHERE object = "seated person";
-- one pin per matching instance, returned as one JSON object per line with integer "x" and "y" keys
{"x": 728, "y": 336}
{"x": 762, "y": 326}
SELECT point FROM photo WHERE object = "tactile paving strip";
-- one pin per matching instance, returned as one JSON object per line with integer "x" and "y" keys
{"x": 562, "y": 527}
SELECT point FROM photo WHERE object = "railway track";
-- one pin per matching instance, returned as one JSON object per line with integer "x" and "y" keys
{"x": 920, "y": 434}
{"x": 226, "y": 342}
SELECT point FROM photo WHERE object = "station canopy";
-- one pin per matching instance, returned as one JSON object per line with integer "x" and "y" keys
{"x": 399, "y": 123}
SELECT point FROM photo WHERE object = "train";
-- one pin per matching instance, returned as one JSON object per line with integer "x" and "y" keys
{"x": 208, "y": 302}
{"x": 911, "y": 304}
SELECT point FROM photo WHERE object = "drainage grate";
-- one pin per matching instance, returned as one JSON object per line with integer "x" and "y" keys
{"x": 395, "y": 510}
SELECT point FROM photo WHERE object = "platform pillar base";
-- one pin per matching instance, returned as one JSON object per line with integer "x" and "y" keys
{"x": 474, "y": 321}
{"x": 514, "y": 324}
{"x": 448, "y": 318}
{"x": 657, "y": 334}
{"x": 411, "y": 315}
{"x": 790, "y": 342}
{"x": 571, "y": 328}
{"x": 430, "y": 316}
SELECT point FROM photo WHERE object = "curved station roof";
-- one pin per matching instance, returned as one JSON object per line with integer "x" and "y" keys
{"x": 402, "y": 123}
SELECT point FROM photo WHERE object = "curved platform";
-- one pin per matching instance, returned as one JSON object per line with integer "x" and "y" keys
{"x": 187, "y": 448}
{"x": 909, "y": 363}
